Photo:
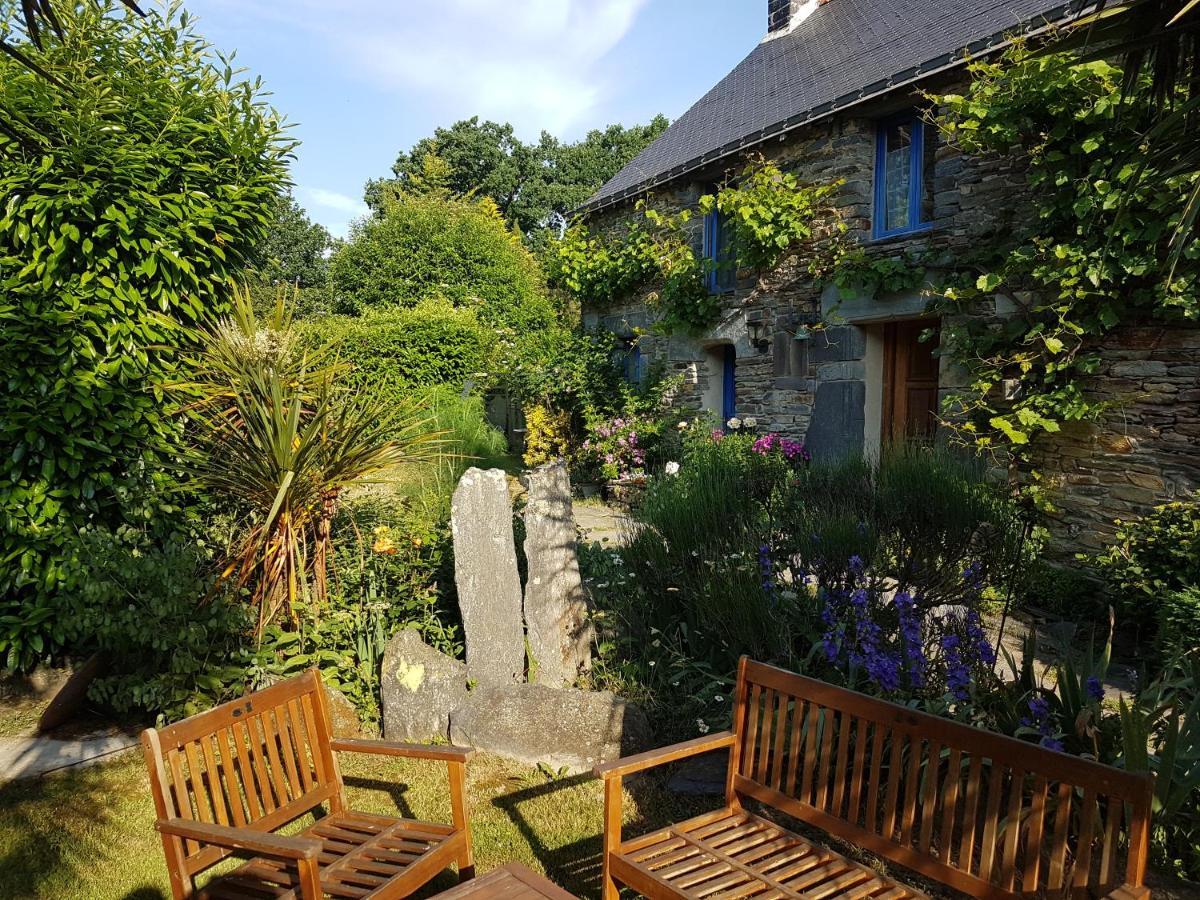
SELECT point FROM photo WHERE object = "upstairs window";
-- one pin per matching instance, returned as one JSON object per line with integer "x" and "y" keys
{"x": 905, "y": 150}
{"x": 719, "y": 251}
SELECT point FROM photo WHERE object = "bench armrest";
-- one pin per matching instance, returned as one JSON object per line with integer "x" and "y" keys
{"x": 248, "y": 840}
{"x": 445, "y": 753}
{"x": 652, "y": 758}
{"x": 1128, "y": 892}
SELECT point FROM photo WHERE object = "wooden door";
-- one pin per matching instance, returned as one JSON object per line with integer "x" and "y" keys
{"x": 910, "y": 381}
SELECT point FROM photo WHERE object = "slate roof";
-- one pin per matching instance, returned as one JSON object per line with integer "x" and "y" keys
{"x": 846, "y": 51}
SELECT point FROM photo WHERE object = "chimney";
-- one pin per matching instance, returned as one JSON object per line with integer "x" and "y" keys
{"x": 783, "y": 15}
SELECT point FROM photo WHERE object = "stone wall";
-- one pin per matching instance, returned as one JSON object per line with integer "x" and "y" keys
{"x": 1146, "y": 448}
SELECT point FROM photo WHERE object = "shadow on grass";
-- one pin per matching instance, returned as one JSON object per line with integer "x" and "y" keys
{"x": 56, "y": 830}
{"x": 396, "y": 790}
{"x": 577, "y": 866}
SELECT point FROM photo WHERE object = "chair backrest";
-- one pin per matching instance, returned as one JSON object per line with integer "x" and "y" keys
{"x": 986, "y": 814}
{"x": 260, "y": 761}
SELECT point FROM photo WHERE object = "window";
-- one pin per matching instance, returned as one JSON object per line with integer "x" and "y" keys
{"x": 718, "y": 248}
{"x": 905, "y": 151}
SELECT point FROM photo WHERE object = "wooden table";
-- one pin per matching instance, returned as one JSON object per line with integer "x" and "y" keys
{"x": 509, "y": 882}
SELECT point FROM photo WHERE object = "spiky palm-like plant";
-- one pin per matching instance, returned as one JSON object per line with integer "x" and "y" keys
{"x": 277, "y": 437}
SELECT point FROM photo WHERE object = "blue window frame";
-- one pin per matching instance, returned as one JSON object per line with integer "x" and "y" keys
{"x": 905, "y": 151}
{"x": 718, "y": 249}
{"x": 729, "y": 385}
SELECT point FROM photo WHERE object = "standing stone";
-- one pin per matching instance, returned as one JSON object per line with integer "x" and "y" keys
{"x": 558, "y": 630}
{"x": 420, "y": 687}
{"x": 485, "y": 571}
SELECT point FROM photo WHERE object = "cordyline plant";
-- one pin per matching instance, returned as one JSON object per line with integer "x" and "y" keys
{"x": 277, "y": 436}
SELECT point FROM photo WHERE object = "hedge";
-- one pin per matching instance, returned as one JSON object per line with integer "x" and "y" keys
{"x": 396, "y": 350}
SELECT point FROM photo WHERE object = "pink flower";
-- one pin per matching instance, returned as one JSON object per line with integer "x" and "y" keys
{"x": 717, "y": 435}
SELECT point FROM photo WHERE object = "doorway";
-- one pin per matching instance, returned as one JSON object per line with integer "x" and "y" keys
{"x": 910, "y": 380}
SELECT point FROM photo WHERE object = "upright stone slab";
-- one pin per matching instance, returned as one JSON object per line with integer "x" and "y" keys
{"x": 559, "y": 727}
{"x": 420, "y": 687}
{"x": 559, "y": 632}
{"x": 485, "y": 571}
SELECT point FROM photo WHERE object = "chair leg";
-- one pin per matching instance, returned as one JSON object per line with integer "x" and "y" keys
{"x": 461, "y": 818}
{"x": 612, "y": 835}
{"x": 310, "y": 879}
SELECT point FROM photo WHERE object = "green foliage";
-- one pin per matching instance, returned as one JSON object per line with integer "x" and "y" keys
{"x": 430, "y": 246}
{"x": 278, "y": 436}
{"x": 772, "y": 214}
{"x": 1093, "y": 253}
{"x": 1179, "y": 622}
{"x": 547, "y": 435}
{"x": 393, "y": 350}
{"x": 1152, "y": 559}
{"x": 532, "y": 185}
{"x": 295, "y": 248}
{"x": 127, "y": 203}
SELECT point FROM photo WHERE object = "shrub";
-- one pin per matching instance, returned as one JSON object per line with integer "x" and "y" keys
{"x": 433, "y": 245}
{"x": 547, "y": 435}
{"x": 1151, "y": 559}
{"x": 128, "y": 201}
{"x": 392, "y": 351}
{"x": 143, "y": 595}
{"x": 1179, "y": 623}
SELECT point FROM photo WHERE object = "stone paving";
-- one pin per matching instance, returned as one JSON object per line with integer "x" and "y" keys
{"x": 29, "y": 757}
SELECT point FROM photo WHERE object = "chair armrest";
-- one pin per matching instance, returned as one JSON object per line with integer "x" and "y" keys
{"x": 652, "y": 758}
{"x": 446, "y": 752}
{"x": 1128, "y": 892}
{"x": 249, "y": 840}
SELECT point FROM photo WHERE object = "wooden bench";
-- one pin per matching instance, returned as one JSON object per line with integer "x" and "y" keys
{"x": 224, "y": 781}
{"x": 981, "y": 813}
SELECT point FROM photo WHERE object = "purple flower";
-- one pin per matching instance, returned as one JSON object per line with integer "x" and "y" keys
{"x": 856, "y": 564}
{"x": 1095, "y": 690}
{"x": 958, "y": 674}
{"x": 717, "y": 435}
{"x": 1052, "y": 744}
{"x": 910, "y": 638}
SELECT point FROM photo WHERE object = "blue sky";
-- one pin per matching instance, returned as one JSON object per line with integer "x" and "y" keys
{"x": 364, "y": 79}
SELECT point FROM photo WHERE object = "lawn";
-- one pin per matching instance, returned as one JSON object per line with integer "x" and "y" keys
{"x": 89, "y": 833}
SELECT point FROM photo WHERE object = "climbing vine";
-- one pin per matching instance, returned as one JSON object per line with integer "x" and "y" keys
{"x": 769, "y": 211}
{"x": 1092, "y": 255}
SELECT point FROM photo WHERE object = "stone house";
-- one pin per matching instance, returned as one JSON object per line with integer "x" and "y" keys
{"x": 835, "y": 91}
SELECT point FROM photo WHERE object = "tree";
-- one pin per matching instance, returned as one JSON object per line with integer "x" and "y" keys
{"x": 130, "y": 202}
{"x": 296, "y": 249}
{"x": 531, "y": 184}
{"x": 431, "y": 246}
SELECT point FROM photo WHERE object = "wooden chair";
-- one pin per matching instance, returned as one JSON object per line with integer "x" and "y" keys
{"x": 981, "y": 813}
{"x": 225, "y": 780}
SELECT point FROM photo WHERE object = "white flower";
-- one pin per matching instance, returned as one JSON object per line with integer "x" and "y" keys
{"x": 751, "y": 423}
{"x": 734, "y": 424}
{"x": 683, "y": 426}
{"x": 702, "y": 726}
{"x": 671, "y": 468}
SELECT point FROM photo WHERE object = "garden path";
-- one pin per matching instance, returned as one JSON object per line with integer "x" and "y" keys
{"x": 29, "y": 757}
{"x": 601, "y": 523}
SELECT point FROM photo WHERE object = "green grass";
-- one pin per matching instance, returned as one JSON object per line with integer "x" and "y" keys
{"x": 89, "y": 833}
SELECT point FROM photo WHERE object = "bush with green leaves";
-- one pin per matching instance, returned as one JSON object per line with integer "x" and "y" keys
{"x": 433, "y": 245}
{"x": 143, "y": 594}
{"x": 135, "y": 178}
{"x": 392, "y": 351}
{"x": 1179, "y": 623}
{"x": 1151, "y": 559}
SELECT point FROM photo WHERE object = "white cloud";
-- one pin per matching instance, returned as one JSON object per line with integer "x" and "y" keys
{"x": 332, "y": 209}
{"x": 532, "y": 62}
